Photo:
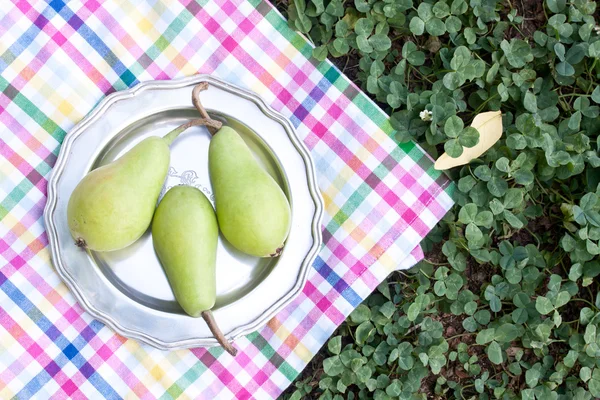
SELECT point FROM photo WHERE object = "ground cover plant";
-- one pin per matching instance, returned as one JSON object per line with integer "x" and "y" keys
{"x": 506, "y": 304}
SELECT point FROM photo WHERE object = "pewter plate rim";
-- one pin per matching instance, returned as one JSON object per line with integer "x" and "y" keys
{"x": 52, "y": 201}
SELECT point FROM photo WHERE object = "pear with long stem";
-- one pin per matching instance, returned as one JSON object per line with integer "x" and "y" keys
{"x": 253, "y": 211}
{"x": 185, "y": 236}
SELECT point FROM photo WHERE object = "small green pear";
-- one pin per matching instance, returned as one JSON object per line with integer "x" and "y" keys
{"x": 185, "y": 236}
{"x": 253, "y": 212}
{"x": 112, "y": 206}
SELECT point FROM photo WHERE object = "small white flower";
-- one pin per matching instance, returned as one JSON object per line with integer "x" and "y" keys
{"x": 597, "y": 29}
{"x": 425, "y": 115}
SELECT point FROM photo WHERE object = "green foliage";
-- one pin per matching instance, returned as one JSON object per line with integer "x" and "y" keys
{"x": 509, "y": 308}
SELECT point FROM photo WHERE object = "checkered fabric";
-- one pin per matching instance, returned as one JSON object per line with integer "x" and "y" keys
{"x": 58, "y": 59}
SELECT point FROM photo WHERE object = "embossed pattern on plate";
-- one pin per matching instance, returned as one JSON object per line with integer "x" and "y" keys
{"x": 128, "y": 289}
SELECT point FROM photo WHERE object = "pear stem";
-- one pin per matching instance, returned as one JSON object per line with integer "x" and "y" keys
{"x": 209, "y": 123}
{"x": 196, "y": 101}
{"x": 214, "y": 328}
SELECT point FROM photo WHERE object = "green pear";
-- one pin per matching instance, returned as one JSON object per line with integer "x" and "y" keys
{"x": 185, "y": 236}
{"x": 253, "y": 212}
{"x": 112, "y": 206}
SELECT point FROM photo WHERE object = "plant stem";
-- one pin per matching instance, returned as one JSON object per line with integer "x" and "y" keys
{"x": 461, "y": 335}
{"x": 584, "y": 301}
{"x": 560, "y": 195}
{"x": 402, "y": 273}
{"x": 419, "y": 72}
{"x": 196, "y": 101}
{"x": 214, "y": 328}
{"x": 591, "y": 70}
{"x": 463, "y": 389}
{"x": 539, "y": 243}
{"x": 518, "y": 30}
{"x": 421, "y": 271}
{"x": 540, "y": 185}
{"x": 484, "y": 103}
{"x": 573, "y": 95}
{"x": 209, "y": 123}
{"x": 434, "y": 263}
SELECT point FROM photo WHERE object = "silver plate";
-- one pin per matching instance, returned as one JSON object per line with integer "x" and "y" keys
{"x": 128, "y": 290}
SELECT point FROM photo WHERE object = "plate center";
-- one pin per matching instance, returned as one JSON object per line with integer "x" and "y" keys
{"x": 135, "y": 270}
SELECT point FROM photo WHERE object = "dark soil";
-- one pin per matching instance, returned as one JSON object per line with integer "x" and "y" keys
{"x": 533, "y": 15}
{"x": 348, "y": 65}
{"x": 281, "y": 5}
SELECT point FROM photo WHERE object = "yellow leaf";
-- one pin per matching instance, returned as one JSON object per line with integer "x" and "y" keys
{"x": 489, "y": 126}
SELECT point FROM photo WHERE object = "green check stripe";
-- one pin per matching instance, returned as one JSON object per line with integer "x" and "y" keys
{"x": 349, "y": 207}
{"x": 353, "y": 202}
{"x": 407, "y": 147}
{"x": 174, "y": 29}
{"x": 32, "y": 111}
{"x": 381, "y": 172}
{"x": 15, "y": 196}
{"x": 267, "y": 350}
{"x": 159, "y": 45}
{"x": 186, "y": 380}
{"x": 19, "y": 192}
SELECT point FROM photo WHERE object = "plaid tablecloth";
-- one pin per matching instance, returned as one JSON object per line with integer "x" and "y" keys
{"x": 58, "y": 60}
